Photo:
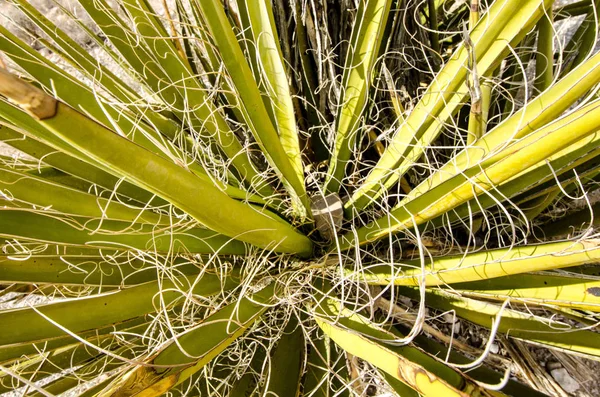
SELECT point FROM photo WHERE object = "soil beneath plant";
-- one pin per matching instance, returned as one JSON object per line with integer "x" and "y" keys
{"x": 554, "y": 373}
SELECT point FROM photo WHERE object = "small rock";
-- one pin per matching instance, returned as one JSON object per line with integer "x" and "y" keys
{"x": 475, "y": 340}
{"x": 456, "y": 327}
{"x": 406, "y": 301}
{"x": 494, "y": 348}
{"x": 562, "y": 377}
{"x": 550, "y": 365}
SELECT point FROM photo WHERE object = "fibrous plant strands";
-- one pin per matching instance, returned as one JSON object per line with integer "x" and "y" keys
{"x": 474, "y": 182}
{"x": 484, "y": 265}
{"x": 446, "y": 93}
{"x": 296, "y": 197}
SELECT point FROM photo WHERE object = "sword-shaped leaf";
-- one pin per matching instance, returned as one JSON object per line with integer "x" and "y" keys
{"x": 193, "y": 349}
{"x": 483, "y": 265}
{"x": 366, "y": 40}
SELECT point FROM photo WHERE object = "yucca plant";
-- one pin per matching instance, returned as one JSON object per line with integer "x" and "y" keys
{"x": 283, "y": 197}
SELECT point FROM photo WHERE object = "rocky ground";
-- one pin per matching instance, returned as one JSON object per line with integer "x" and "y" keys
{"x": 553, "y": 372}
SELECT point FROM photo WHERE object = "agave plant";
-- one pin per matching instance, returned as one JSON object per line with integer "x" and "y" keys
{"x": 281, "y": 197}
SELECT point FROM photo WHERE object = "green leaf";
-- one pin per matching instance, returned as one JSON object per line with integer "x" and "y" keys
{"x": 480, "y": 373}
{"x": 83, "y": 60}
{"x": 483, "y": 265}
{"x": 543, "y": 172}
{"x": 109, "y": 270}
{"x": 326, "y": 370}
{"x": 31, "y": 324}
{"x": 73, "y": 165}
{"x": 80, "y": 97}
{"x": 544, "y": 109}
{"x": 41, "y": 227}
{"x": 543, "y": 288}
{"x": 516, "y": 324}
{"x": 255, "y": 113}
{"x": 198, "y": 197}
{"x": 506, "y": 22}
{"x": 37, "y": 191}
{"x": 193, "y": 349}
{"x": 287, "y": 362}
{"x": 11, "y": 353}
{"x": 48, "y": 363}
{"x": 190, "y": 94}
{"x": 90, "y": 362}
{"x": 358, "y": 336}
{"x": 90, "y": 371}
{"x": 484, "y": 177}
{"x": 271, "y": 64}
{"x": 366, "y": 40}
